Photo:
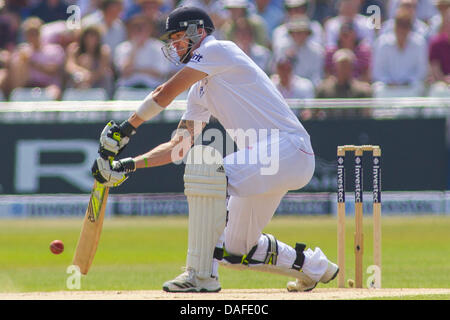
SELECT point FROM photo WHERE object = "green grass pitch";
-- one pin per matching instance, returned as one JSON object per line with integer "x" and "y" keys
{"x": 142, "y": 253}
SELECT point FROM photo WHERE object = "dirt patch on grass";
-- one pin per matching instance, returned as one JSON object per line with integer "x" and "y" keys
{"x": 226, "y": 294}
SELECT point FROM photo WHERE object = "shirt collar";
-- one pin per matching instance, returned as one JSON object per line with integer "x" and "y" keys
{"x": 208, "y": 39}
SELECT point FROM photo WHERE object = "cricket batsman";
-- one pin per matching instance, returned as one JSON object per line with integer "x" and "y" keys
{"x": 225, "y": 83}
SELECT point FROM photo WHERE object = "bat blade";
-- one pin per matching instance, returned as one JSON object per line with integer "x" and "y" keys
{"x": 92, "y": 228}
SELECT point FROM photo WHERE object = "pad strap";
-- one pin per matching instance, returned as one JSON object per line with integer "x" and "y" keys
{"x": 298, "y": 263}
{"x": 272, "y": 250}
{"x": 245, "y": 259}
{"x": 271, "y": 256}
{"x": 218, "y": 253}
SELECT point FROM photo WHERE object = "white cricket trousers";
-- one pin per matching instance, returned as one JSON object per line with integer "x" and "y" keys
{"x": 255, "y": 196}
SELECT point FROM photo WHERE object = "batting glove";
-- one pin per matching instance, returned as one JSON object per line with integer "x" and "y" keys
{"x": 114, "y": 138}
{"x": 112, "y": 173}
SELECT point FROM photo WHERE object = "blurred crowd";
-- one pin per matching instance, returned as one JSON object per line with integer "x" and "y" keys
{"x": 309, "y": 48}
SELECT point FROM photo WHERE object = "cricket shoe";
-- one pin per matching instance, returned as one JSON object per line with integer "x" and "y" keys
{"x": 301, "y": 284}
{"x": 305, "y": 283}
{"x": 330, "y": 273}
{"x": 189, "y": 282}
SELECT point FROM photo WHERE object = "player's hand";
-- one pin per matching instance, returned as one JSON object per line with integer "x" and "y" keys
{"x": 112, "y": 173}
{"x": 114, "y": 138}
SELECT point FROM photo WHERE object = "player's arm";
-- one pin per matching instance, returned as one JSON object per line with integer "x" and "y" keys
{"x": 173, "y": 150}
{"x": 114, "y": 173}
{"x": 115, "y": 137}
{"x": 163, "y": 95}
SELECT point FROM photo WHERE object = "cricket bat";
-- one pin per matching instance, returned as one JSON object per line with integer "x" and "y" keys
{"x": 92, "y": 228}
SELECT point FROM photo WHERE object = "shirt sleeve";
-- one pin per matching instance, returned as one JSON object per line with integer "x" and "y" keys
{"x": 211, "y": 58}
{"x": 194, "y": 110}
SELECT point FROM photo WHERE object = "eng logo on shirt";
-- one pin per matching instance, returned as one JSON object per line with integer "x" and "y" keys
{"x": 196, "y": 57}
{"x": 202, "y": 89}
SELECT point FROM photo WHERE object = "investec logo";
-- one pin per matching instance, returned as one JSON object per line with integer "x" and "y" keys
{"x": 376, "y": 179}
{"x": 358, "y": 180}
{"x": 340, "y": 180}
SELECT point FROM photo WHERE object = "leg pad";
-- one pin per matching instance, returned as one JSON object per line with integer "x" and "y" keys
{"x": 206, "y": 189}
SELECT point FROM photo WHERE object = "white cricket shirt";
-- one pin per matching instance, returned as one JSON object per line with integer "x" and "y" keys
{"x": 236, "y": 92}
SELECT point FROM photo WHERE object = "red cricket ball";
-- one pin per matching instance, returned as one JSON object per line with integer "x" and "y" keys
{"x": 56, "y": 246}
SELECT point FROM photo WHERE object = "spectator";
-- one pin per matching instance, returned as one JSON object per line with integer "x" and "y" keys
{"x": 294, "y": 9}
{"x": 240, "y": 9}
{"x": 425, "y": 9}
{"x": 343, "y": 83}
{"x": 400, "y": 60}
{"x": 19, "y": 7}
{"x": 348, "y": 39}
{"x": 107, "y": 18}
{"x": 348, "y": 12}
{"x": 152, "y": 10}
{"x": 366, "y": 4}
{"x": 88, "y": 62}
{"x": 243, "y": 36}
{"x": 309, "y": 55}
{"x": 57, "y": 33}
{"x": 272, "y": 14}
{"x": 418, "y": 25}
{"x": 290, "y": 85}
{"x": 4, "y": 67}
{"x": 127, "y": 7}
{"x": 439, "y": 53}
{"x": 215, "y": 9}
{"x": 36, "y": 64}
{"x": 436, "y": 20}
{"x": 88, "y": 6}
{"x": 139, "y": 59}
{"x": 49, "y": 10}
{"x": 324, "y": 10}
{"x": 9, "y": 27}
